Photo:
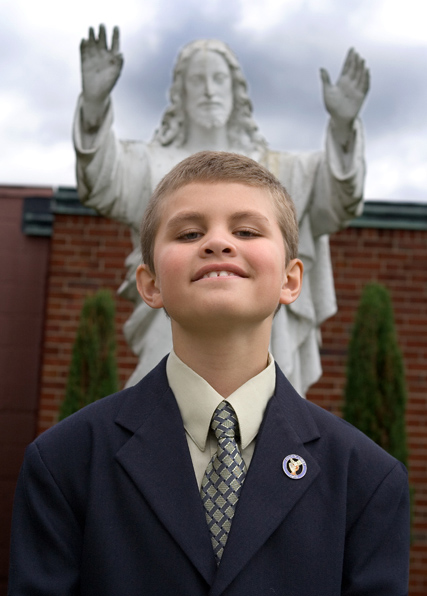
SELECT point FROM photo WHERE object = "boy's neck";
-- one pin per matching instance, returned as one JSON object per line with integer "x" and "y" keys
{"x": 225, "y": 362}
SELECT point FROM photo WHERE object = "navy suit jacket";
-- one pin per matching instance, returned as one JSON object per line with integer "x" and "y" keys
{"x": 107, "y": 504}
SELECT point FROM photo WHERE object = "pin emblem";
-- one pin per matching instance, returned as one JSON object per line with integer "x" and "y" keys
{"x": 294, "y": 466}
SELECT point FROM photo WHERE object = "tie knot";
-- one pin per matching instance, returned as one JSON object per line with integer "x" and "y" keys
{"x": 224, "y": 421}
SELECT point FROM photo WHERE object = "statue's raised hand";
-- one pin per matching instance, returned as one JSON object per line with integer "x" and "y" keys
{"x": 344, "y": 100}
{"x": 101, "y": 66}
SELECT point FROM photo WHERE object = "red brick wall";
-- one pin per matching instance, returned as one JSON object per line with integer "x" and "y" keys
{"x": 398, "y": 259}
{"x": 23, "y": 276}
{"x": 89, "y": 252}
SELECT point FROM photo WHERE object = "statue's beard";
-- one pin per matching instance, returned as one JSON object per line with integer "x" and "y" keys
{"x": 210, "y": 120}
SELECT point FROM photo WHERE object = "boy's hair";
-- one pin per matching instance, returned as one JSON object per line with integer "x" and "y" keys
{"x": 213, "y": 167}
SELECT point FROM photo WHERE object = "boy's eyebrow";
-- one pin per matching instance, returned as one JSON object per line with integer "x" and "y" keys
{"x": 249, "y": 215}
{"x": 197, "y": 216}
{"x": 186, "y": 216}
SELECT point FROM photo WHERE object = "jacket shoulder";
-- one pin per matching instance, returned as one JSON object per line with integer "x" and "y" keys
{"x": 337, "y": 438}
{"x": 108, "y": 420}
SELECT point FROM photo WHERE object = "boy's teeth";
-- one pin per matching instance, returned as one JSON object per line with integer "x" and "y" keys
{"x": 218, "y": 274}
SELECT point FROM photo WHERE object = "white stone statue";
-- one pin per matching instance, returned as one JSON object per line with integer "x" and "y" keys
{"x": 210, "y": 109}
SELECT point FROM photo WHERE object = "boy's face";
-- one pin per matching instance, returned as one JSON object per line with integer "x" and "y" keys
{"x": 219, "y": 257}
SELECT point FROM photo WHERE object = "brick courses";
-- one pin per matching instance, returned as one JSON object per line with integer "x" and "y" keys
{"x": 87, "y": 253}
{"x": 398, "y": 259}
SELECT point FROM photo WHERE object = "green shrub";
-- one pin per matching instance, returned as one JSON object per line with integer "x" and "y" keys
{"x": 375, "y": 393}
{"x": 93, "y": 369}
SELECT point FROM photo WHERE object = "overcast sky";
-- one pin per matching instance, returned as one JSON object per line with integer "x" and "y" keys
{"x": 281, "y": 45}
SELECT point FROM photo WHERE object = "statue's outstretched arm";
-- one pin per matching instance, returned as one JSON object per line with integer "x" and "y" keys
{"x": 344, "y": 100}
{"x": 101, "y": 67}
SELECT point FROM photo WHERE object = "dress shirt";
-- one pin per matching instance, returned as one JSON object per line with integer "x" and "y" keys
{"x": 197, "y": 402}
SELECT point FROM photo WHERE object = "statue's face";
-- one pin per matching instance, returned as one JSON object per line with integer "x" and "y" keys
{"x": 208, "y": 89}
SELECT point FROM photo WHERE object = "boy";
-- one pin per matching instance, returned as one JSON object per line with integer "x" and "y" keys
{"x": 211, "y": 475}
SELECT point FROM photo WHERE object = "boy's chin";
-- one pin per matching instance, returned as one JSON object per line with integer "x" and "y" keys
{"x": 217, "y": 319}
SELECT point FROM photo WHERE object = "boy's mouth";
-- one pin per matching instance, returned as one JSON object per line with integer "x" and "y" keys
{"x": 211, "y": 271}
{"x": 219, "y": 274}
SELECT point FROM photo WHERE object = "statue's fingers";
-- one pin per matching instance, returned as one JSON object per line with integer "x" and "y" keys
{"x": 358, "y": 56}
{"x": 360, "y": 63}
{"x": 102, "y": 37}
{"x": 118, "y": 61}
{"x": 347, "y": 61}
{"x": 355, "y": 71}
{"x": 363, "y": 77}
{"x": 361, "y": 66}
{"x": 115, "y": 44}
{"x": 324, "y": 75}
{"x": 360, "y": 71}
{"x": 365, "y": 81}
{"x": 91, "y": 39}
{"x": 353, "y": 65}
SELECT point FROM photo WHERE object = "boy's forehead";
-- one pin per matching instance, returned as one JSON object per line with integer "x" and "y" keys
{"x": 198, "y": 190}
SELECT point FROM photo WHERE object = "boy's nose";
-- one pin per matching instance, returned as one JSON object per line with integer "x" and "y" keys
{"x": 218, "y": 245}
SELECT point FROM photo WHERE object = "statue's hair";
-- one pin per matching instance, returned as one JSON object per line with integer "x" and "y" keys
{"x": 242, "y": 130}
{"x": 212, "y": 167}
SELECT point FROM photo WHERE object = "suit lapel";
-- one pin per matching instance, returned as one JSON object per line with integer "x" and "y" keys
{"x": 157, "y": 460}
{"x": 268, "y": 494}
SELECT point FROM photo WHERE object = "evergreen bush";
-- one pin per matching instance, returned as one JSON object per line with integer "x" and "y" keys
{"x": 93, "y": 370}
{"x": 375, "y": 393}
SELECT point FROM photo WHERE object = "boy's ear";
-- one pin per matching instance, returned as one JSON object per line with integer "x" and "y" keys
{"x": 147, "y": 287}
{"x": 292, "y": 285}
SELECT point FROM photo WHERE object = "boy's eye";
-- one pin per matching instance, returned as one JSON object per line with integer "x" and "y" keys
{"x": 247, "y": 233}
{"x": 189, "y": 235}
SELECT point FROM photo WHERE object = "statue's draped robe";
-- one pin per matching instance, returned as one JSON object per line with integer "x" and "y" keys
{"x": 117, "y": 178}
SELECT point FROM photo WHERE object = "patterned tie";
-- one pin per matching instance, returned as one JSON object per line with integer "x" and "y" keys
{"x": 223, "y": 478}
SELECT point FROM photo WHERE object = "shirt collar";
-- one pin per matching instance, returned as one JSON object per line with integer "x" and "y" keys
{"x": 197, "y": 400}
